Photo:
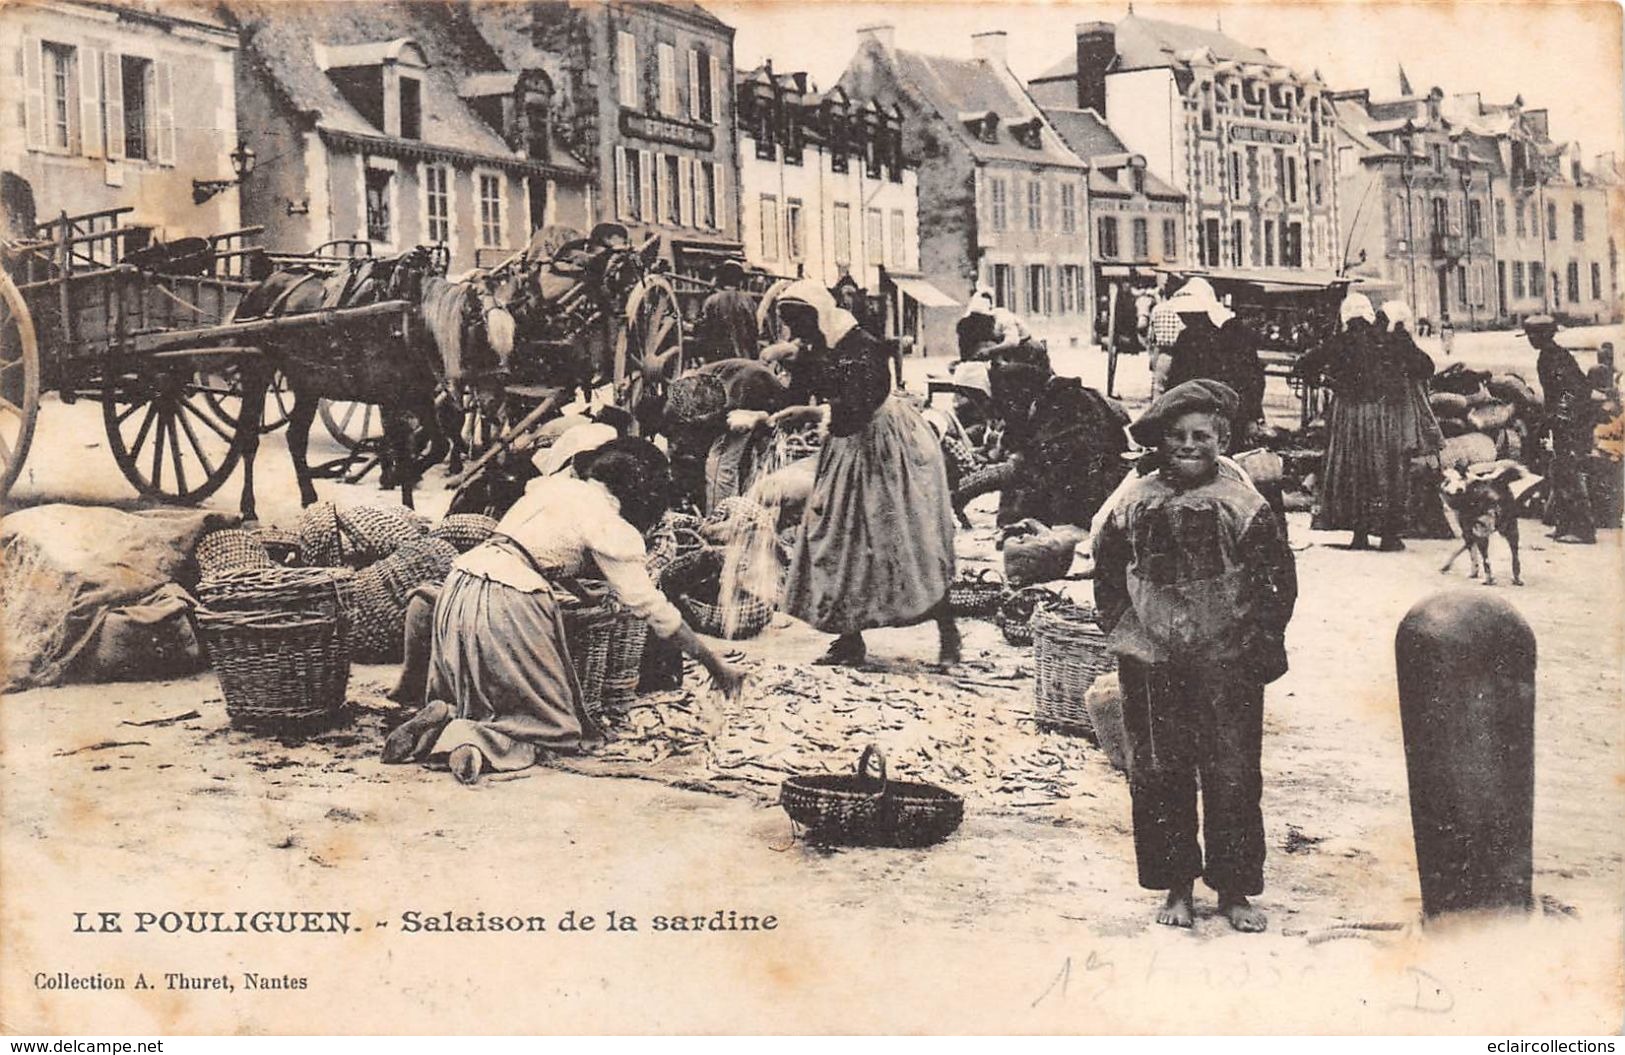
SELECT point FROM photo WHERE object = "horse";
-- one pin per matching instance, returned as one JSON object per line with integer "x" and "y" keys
{"x": 370, "y": 362}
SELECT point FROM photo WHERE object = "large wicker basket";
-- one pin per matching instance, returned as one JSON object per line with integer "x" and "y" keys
{"x": 752, "y": 618}
{"x": 1015, "y": 613}
{"x": 976, "y": 594}
{"x": 865, "y": 810}
{"x": 606, "y": 647}
{"x": 1070, "y": 652}
{"x": 278, "y": 642}
{"x": 372, "y": 533}
{"x": 229, "y": 550}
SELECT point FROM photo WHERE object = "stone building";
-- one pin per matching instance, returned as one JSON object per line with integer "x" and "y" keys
{"x": 1417, "y": 216}
{"x": 827, "y": 193}
{"x": 1002, "y": 201}
{"x": 1246, "y": 138}
{"x": 1470, "y": 210}
{"x": 386, "y": 125}
{"x": 645, "y": 98}
{"x": 1138, "y": 218}
{"x": 111, "y": 106}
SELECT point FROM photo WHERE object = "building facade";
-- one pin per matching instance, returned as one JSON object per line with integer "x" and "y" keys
{"x": 118, "y": 106}
{"x": 1003, "y": 203}
{"x": 1247, "y": 139}
{"x": 646, "y": 99}
{"x": 380, "y": 124}
{"x": 1472, "y": 213}
{"x": 1137, "y": 218}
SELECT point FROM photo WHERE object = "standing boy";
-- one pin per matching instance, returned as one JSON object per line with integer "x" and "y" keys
{"x": 1195, "y": 583}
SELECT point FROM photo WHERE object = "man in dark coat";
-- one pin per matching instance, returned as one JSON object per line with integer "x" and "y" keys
{"x": 727, "y": 325}
{"x": 1570, "y": 419}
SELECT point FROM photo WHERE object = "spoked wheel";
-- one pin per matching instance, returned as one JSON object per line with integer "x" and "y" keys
{"x": 653, "y": 331}
{"x": 166, "y": 438}
{"x": 352, "y": 424}
{"x": 19, "y": 382}
{"x": 222, "y": 387}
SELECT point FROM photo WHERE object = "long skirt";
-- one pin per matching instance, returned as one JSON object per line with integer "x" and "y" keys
{"x": 1367, "y": 477}
{"x": 876, "y": 543}
{"x": 500, "y": 659}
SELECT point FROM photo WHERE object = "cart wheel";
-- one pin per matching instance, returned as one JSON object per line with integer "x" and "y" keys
{"x": 653, "y": 327}
{"x": 167, "y": 440}
{"x": 222, "y": 388}
{"x": 350, "y": 423}
{"x": 19, "y": 382}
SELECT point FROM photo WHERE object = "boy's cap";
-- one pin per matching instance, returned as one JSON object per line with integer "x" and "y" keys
{"x": 1540, "y": 322}
{"x": 1199, "y": 396}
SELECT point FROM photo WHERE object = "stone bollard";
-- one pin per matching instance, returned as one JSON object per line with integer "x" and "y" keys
{"x": 1466, "y": 665}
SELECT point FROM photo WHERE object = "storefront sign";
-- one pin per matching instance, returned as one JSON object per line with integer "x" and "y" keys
{"x": 1255, "y": 134}
{"x": 665, "y": 130}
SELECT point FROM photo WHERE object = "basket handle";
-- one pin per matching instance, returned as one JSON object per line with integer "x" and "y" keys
{"x": 873, "y": 751}
{"x": 987, "y": 575}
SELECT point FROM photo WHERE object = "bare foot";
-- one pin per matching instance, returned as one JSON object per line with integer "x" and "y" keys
{"x": 1177, "y": 910}
{"x": 467, "y": 763}
{"x": 1241, "y": 914}
{"x": 847, "y": 651}
{"x": 417, "y": 734}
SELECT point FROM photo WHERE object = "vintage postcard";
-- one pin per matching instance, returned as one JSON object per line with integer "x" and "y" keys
{"x": 732, "y": 516}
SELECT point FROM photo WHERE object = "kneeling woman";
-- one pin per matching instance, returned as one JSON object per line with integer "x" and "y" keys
{"x": 876, "y": 544}
{"x": 502, "y": 688}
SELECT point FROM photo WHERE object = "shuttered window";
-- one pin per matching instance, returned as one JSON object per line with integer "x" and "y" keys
{"x": 626, "y": 63}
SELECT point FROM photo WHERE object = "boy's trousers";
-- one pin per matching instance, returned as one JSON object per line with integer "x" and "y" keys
{"x": 1191, "y": 726}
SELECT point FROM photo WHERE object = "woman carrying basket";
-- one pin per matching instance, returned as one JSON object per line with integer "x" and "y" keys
{"x": 876, "y": 544}
{"x": 502, "y": 688}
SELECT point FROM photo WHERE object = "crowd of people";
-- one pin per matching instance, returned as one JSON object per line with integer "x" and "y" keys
{"x": 1194, "y": 582}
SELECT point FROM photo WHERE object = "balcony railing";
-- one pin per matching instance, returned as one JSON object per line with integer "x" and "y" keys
{"x": 1444, "y": 246}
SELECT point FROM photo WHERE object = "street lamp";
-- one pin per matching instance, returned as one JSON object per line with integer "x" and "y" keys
{"x": 242, "y": 163}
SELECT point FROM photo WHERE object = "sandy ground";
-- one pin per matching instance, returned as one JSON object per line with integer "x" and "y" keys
{"x": 1018, "y": 922}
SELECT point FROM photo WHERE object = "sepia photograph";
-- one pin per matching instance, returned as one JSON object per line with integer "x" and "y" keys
{"x": 752, "y": 517}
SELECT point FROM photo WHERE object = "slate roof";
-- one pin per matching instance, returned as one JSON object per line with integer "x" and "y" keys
{"x": 953, "y": 86}
{"x": 280, "y": 39}
{"x": 1144, "y": 43}
{"x": 1093, "y": 140}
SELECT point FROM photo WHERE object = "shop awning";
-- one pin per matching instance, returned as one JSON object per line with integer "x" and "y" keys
{"x": 923, "y": 292}
{"x": 1269, "y": 279}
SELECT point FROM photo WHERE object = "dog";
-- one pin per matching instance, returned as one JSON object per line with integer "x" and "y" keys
{"x": 1482, "y": 500}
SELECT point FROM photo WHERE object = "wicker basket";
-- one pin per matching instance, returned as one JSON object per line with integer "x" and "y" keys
{"x": 708, "y": 618}
{"x": 1015, "y": 614}
{"x": 606, "y": 647}
{"x": 319, "y": 537}
{"x": 734, "y": 515}
{"x": 272, "y": 589}
{"x": 983, "y": 481}
{"x": 1070, "y": 652}
{"x": 976, "y": 594}
{"x": 695, "y": 398}
{"x": 464, "y": 530}
{"x": 372, "y": 533}
{"x": 282, "y": 545}
{"x": 375, "y": 621}
{"x": 865, "y": 810}
{"x": 423, "y": 560}
{"x": 280, "y": 672}
{"x": 673, "y": 537}
{"x": 228, "y": 550}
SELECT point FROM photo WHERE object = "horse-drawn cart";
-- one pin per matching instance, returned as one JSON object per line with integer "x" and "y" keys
{"x": 158, "y": 335}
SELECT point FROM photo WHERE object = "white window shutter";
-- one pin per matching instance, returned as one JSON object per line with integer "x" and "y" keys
{"x": 620, "y": 185}
{"x": 694, "y": 85}
{"x": 646, "y": 185}
{"x": 685, "y": 190}
{"x": 717, "y": 89}
{"x": 721, "y": 186}
{"x": 34, "y": 102}
{"x": 166, "y": 114}
{"x": 113, "y": 94}
{"x": 90, "y": 102}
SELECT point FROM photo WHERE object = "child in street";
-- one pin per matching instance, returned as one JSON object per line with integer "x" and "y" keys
{"x": 1195, "y": 583}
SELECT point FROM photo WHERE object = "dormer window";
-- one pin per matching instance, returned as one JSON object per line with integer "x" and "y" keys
{"x": 383, "y": 81}
{"x": 1029, "y": 134}
{"x": 984, "y": 125}
{"x": 411, "y": 108}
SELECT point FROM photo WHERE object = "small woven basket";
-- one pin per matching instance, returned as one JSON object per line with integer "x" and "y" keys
{"x": 709, "y": 618}
{"x": 229, "y": 550}
{"x": 1015, "y": 613}
{"x": 623, "y": 660}
{"x": 672, "y": 538}
{"x": 864, "y": 810}
{"x": 976, "y": 594}
{"x": 420, "y": 561}
{"x": 982, "y": 481}
{"x": 464, "y": 530}
{"x": 1069, "y": 652}
{"x": 280, "y": 672}
{"x": 590, "y": 633}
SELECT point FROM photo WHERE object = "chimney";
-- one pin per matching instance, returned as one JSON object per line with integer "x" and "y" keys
{"x": 1097, "y": 47}
{"x": 991, "y": 47}
{"x": 882, "y": 33}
